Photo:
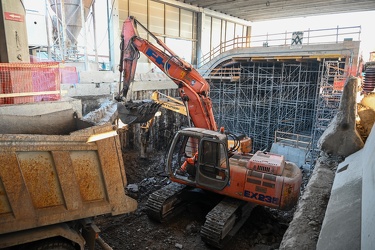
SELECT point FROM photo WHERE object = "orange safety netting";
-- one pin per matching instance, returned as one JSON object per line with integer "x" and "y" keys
{"x": 69, "y": 75}
{"x": 29, "y": 82}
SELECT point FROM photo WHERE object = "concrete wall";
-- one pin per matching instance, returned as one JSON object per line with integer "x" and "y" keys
{"x": 368, "y": 187}
{"x": 105, "y": 83}
{"x": 341, "y": 228}
{"x": 296, "y": 155}
{"x": 93, "y": 83}
{"x": 350, "y": 216}
{"x": 40, "y": 108}
{"x": 89, "y": 89}
{"x": 57, "y": 117}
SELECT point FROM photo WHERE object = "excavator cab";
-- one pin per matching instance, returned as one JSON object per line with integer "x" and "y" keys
{"x": 213, "y": 166}
{"x": 199, "y": 157}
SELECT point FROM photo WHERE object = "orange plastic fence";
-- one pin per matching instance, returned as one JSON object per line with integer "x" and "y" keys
{"x": 69, "y": 75}
{"x": 29, "y": 82}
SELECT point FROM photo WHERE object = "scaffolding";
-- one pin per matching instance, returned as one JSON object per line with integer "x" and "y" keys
{"x": 267, "y": 97}
{"x": 65, "y": 22}
{"x": 291, "y": 97}
{"x": 333, "y": 75}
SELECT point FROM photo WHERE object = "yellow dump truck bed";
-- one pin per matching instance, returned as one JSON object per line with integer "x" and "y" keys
{"x": 49, "y": 179}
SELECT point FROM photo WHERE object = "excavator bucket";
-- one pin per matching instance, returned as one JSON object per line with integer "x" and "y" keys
{"x": 137, "y": 112}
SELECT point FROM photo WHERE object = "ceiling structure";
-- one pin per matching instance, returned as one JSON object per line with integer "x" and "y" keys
{"x": 261, "y": 10}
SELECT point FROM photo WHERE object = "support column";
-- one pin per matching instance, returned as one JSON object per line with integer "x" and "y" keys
{"x": 200, "y": 32}
{"x": 95, "y": 42}
{"x": 84, "y": 35}
{"x": 114, "y": 34}
{"x": 13, "y": 34}
{"x": 64, "y": 34}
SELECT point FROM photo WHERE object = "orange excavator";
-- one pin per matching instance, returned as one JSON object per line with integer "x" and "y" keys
{"x": 199, "y": 157}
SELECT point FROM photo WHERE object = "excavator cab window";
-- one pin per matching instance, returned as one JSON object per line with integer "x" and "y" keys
{"x": 196, "y": 158}
{"x": 213, "y": 170}
{"x": 185, "y": 149}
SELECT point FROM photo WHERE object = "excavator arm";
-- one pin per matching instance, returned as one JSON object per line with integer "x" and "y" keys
{"x": 193, "y": 88}
{"x": 169, "y": 103}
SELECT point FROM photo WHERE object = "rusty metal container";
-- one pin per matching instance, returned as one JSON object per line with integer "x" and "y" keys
{"x": 50, "y": 179}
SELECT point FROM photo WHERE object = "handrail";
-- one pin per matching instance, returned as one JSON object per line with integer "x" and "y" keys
{"x": 315, "y": 36}
{"x": 291, "y": 139}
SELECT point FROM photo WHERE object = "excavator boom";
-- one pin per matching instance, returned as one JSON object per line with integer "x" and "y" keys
{"x": 193, "y": 88}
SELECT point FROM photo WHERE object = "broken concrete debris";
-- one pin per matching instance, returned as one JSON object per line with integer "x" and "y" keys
{"x": 107, "y": 112}
{"x": 132, "y": 188}
{"x": 341, "y": 137}
{"x": 178, "y": 245}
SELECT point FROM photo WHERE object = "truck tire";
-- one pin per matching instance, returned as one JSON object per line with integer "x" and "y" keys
{"x": 54, "y": 244}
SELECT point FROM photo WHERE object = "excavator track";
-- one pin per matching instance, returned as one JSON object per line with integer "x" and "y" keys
{"x": 165, "y": 203}
{"x": 221, "y": 224}
{"x": 224, "y": 220}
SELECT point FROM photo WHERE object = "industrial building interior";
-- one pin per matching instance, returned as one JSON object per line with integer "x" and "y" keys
{"x": 305, "y": 94}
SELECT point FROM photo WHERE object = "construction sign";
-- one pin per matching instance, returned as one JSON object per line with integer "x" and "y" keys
{"x": 13, "y": 17}
{"x": 297, "y": 38}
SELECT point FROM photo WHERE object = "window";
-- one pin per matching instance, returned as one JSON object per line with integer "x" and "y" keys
{"x": 182, "y": 48}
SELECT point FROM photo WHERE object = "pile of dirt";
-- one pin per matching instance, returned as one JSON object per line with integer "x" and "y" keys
{"x": 263, "y": 230}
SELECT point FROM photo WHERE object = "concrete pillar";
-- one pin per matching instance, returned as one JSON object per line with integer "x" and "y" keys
{"x": 248, "y": 34}
{"x": 341, "y": 137}
{"x": 14, "y": 45}
{"x": 114, "y": 34}
{"x": 200, "y": 32}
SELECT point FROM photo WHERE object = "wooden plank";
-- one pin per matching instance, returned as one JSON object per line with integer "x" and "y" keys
{"x": 33, "y": 93}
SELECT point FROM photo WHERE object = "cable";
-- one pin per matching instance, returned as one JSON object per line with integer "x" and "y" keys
{"x": 236, "y": 142}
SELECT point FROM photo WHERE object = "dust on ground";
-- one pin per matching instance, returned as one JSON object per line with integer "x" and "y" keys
{"x": 263, "y": 230}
